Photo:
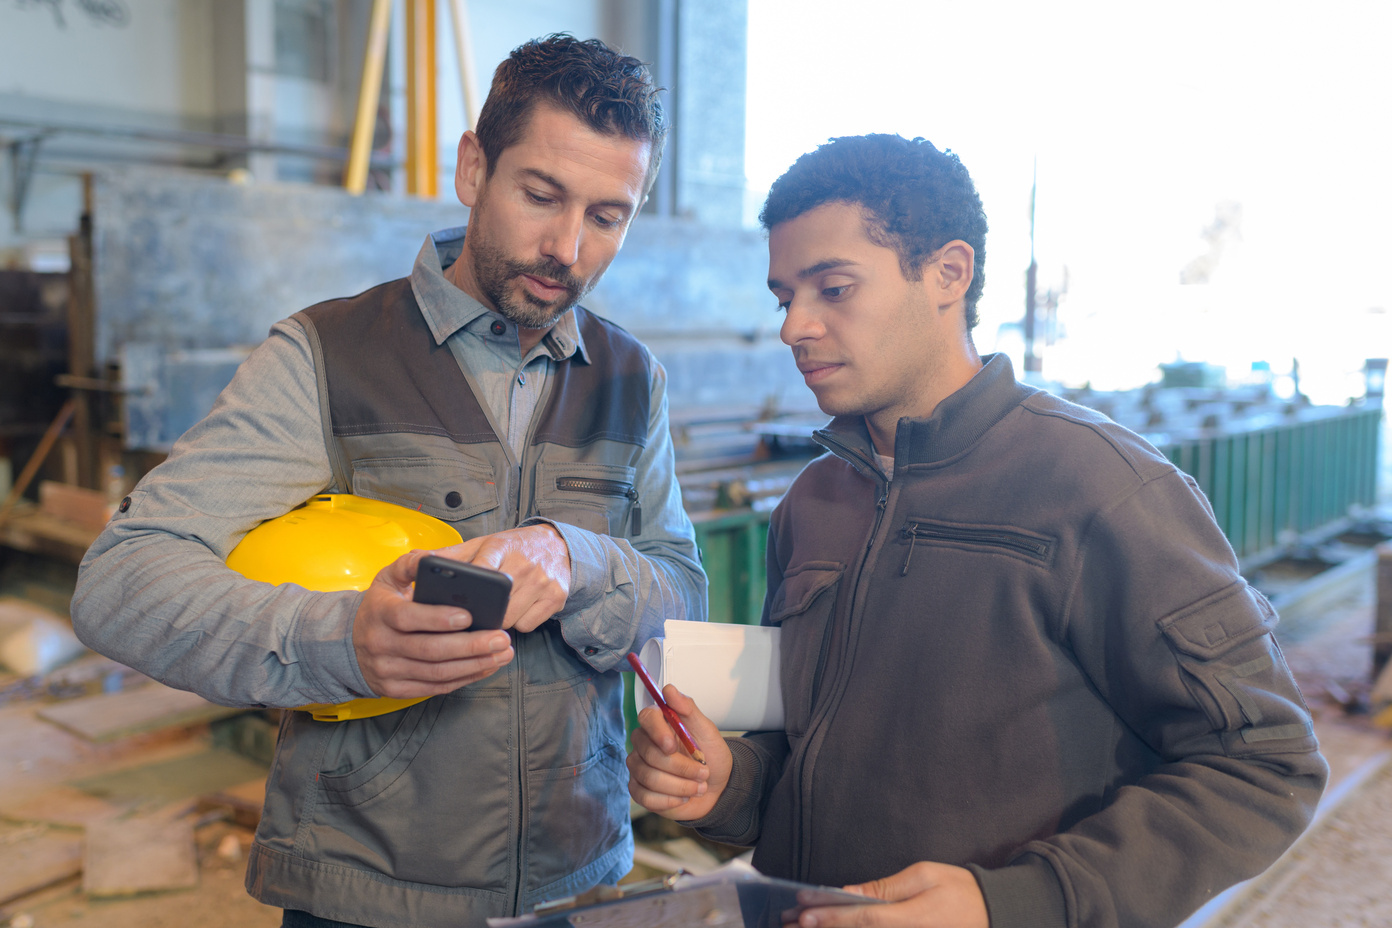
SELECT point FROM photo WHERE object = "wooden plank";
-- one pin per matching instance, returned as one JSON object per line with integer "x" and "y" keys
{"x": 139, "y": 854}
{"x": 27, "y": 529}
{"x": 172, "y": 781}
{"x": 36, "y": 857}
{"x": 78, "y": 505}
{"x": 243, "y": 802}
{"x": 59, "y": 804}
{"x": 152, "y": 707}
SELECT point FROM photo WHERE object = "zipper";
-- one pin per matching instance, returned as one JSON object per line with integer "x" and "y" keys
{"x": 992, "y": 538}
{"x": 601, "y": 486}
{"x": 524, "y": 819}
{"x": 826, "y": 632}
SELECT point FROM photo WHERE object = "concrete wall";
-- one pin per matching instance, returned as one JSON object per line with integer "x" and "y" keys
{"x": 191, "y": 272}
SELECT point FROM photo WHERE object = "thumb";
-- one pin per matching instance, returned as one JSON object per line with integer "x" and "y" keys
{"x": 400, "y": 573}
{"x": 701, "y": 728}
{"x": 890, "y": 888}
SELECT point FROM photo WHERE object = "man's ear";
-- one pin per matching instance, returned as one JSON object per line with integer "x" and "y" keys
{"x": 470, "y": 170}
{"x": 952, "y": 271}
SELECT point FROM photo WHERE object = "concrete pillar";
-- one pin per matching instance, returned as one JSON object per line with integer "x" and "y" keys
{"x": 1382, "y": 624}
{"x": 244, "y": 79}
{"x": 712, "y": 49}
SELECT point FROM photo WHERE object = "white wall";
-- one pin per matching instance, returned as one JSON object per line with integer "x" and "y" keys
{"x": 156, "y": 62}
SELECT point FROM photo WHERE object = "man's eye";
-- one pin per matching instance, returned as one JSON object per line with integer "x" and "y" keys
{"x": 538, "y": 198}
{"x": 834, "y": 293}
{"x": 783, "y": 306}
{"x": 605, "y": 222}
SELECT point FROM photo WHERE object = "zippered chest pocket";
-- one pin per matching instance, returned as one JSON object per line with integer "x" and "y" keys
{"x": 996, "y": 539}
{"x": 601, "y": 498}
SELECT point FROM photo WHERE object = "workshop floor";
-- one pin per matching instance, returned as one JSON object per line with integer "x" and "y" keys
{"x": 54, "y": 784}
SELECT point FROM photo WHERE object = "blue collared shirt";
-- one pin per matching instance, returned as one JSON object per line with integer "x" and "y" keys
{"x": 153, "y": 591}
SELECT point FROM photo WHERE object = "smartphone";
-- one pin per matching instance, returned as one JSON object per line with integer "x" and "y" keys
{"x": 484, "y": 592}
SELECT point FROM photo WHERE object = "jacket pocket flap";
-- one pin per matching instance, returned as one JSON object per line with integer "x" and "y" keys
{"x": 801, "y": 586}
{"x": 1218, "y": 623}
{"x": 448, "y": 490}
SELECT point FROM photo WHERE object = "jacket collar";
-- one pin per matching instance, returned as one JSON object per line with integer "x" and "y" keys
{"x": 957, "y": 423}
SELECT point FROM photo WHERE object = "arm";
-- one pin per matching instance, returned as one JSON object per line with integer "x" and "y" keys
{"x": 620, "y": 592}
{"x": 153, "y": 591}
{"x": 723, "y": 803}
{"x": 1180, "y": 647}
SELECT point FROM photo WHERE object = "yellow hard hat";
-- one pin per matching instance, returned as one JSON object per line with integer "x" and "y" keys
{"x": 336, "y": 541}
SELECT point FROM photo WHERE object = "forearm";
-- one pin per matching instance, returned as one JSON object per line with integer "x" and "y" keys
{"x": 169, "y": 608}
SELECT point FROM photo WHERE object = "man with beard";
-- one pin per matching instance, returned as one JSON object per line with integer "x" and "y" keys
{"x": 478, "y": 391}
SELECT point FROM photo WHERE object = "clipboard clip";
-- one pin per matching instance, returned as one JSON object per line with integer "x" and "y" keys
{"x": 609, "y": 893}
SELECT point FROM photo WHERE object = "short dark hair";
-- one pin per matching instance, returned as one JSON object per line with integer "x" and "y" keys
{"x": 611, "y": 93}
{"x": 917, "y": 198}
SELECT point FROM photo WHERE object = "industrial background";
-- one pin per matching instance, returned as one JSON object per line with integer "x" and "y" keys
{"x": 177, "y": 175}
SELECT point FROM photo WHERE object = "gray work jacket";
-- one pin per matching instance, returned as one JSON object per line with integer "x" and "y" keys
{"x": 485, "y": 801}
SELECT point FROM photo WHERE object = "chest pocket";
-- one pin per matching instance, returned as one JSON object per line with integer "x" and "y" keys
{"x": 803, "y": 607}
{"x": 450, "y": 489}
{"x": 601, "y": 498}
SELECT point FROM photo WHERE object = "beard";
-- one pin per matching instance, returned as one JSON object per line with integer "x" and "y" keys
{"x": 495, "y": 273}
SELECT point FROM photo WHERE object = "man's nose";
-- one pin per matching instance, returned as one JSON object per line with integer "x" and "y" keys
{"x": 564, "y": 236}
{"x": 798, "y": 324}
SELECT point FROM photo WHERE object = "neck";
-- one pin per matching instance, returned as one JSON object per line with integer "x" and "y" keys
{"x": 461, "y": 274}
{"x": 952, "y": 372}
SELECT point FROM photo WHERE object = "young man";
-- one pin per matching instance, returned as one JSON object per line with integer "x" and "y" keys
{"x": 1024, "y": 683}
{"x": 477, "y": 391}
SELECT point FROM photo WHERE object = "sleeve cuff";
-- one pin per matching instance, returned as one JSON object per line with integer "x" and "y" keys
{"x": 324, "y": 646}
{"x": 1025, "y": 894}
{"x": 734, "y": 820}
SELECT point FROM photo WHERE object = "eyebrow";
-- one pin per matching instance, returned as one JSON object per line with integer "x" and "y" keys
{"x": 812, "y": 271}
{"x": 545, "y": 178}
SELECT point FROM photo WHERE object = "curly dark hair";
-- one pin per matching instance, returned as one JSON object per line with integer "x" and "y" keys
{"x": 611, "y": 93}
{"x": 918, "y": 198}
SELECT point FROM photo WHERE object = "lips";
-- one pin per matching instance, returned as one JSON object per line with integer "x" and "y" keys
{"x": 815, "y": 371}
{"x": 544, "y": 287}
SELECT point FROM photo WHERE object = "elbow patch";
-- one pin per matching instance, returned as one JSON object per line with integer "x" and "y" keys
{"x": 1235, "y": 672}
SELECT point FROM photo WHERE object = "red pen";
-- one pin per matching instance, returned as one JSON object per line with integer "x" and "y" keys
{"x": 668, "y": 712}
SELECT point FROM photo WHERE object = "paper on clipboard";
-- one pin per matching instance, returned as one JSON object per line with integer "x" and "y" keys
{"x": 734, "y": 895}
{"x": 730, "y": 670}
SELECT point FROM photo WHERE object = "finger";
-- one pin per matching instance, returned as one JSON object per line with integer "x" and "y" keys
{"x": 400, "y": 573}
{"x": 852, "y": 916}
{"x": 655, "y": 726}
{"x": 426, "y": 647}
{"x": 404, "y": 678}
{"x": 910, "y": 881}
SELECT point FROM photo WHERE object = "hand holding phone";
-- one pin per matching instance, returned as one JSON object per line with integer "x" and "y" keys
{"x": 483, "y": 592}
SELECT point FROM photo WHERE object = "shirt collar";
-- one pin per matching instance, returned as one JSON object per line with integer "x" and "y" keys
{"x": 447, "y": 309}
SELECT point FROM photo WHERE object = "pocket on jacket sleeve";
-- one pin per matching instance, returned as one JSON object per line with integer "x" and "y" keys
{"x": 803, "y": 606}
{"x": 1235, "y": 671}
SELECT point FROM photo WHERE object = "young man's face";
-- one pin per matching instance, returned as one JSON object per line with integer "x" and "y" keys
{"x": 867, "y": 341}
{"x": 544, "y": 227}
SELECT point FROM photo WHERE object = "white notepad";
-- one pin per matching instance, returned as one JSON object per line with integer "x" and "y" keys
{"x": 730, "y": 670}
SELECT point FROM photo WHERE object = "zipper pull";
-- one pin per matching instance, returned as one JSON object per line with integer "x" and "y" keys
{"x": 913, "y": 539}
{"x": 637, "y": 523}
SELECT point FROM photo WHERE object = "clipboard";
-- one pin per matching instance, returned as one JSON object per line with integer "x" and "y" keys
{"x": 733, "y": 896}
